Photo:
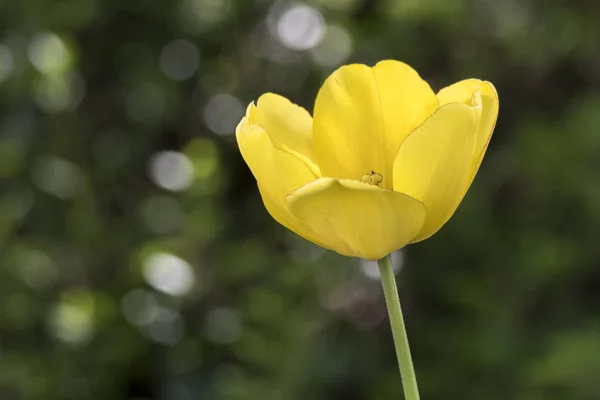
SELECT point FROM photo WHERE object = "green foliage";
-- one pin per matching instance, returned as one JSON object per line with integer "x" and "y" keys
{"x": 137, "y": 260}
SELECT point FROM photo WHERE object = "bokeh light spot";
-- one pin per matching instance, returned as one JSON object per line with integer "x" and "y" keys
{"x": 179, "y": 59}
{"x": 171, "y": 170}
{"x": 204, "y": 155}
{"x": 168, "y": 274}
{"x": 35, "y": 268}
{"x": 139, "y": 307}
{"x": 58, "y": 177}
{"x": 54, "y": 94}
{"x": 301, "y": 27}
{"x": 198, "y": 16}
{"x": 72, "y": 319}
{"x": 371, "y": 270}
{"x": 49, "y": 54}
{"x": 167, "y": 327}
{"x": 334, "y": 49}
{"x": 222, "y": 113}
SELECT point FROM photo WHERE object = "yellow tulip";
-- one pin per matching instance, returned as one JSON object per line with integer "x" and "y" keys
{"x": 384, "y": 162}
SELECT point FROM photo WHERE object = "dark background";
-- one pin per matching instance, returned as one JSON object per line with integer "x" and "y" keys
{"x": 137, "y": 260}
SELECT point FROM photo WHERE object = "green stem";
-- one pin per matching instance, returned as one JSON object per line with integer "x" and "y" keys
{"x": 390, "y": 290}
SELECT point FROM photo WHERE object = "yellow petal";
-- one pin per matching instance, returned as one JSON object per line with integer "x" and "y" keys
{"x": 406, "y": 101}
{"x": 278, "y": 174}
{"x": 281, "y": 213}
{"x": 362, "y": 115}
{"x": 347, "y": 125}
{"x": 357, "y": 219}
{"x": 434, "y": 163}
{"x": 462, "y": 92}
{"x": 289, "y": 126}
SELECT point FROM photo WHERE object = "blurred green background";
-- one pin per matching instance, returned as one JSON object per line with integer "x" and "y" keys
{"x": 138, "y": 262}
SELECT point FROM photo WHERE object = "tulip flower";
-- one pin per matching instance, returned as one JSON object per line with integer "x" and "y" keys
{"x": 383, "y": 162}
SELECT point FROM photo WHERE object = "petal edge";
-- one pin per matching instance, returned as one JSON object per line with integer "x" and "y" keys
{"x": 434, "y": 163}
{"x": 356, "y": 219}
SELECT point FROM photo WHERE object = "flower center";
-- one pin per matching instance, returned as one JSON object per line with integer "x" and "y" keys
{"x": 373, "y": 178}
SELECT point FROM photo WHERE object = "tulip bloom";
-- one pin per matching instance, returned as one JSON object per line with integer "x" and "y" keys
{"x": 383, "y": 163}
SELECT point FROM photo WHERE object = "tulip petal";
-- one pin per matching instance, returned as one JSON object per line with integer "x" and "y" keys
{"x": 281, "y": 213}
{"x": 288, "y": 125}
{"x": 406, "y": 101}
{"x": 362, "y": 115}
{"x": 357, "y": 219}
{"x": 347, "y": 128}
{"x": 434, "y": 163}
{"x": 462, "y": 92}
{"x": 277, "y": 173}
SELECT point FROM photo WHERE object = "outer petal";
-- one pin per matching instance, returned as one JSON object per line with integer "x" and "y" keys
{"x": 281, "y": 213}
{"x": 289, "y": 126}
{"x": 462, "y": 92}
{"x": 362, "y": 115}
{"x": 278, "y": 174}
{"x": 357, "y": 219}
{"x": 434, "y": 163}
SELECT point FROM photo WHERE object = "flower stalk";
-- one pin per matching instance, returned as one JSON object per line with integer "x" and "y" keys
{"x": 390, "y": 290}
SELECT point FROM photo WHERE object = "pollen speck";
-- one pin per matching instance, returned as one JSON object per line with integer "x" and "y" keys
{"x": 373, "y": 178}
